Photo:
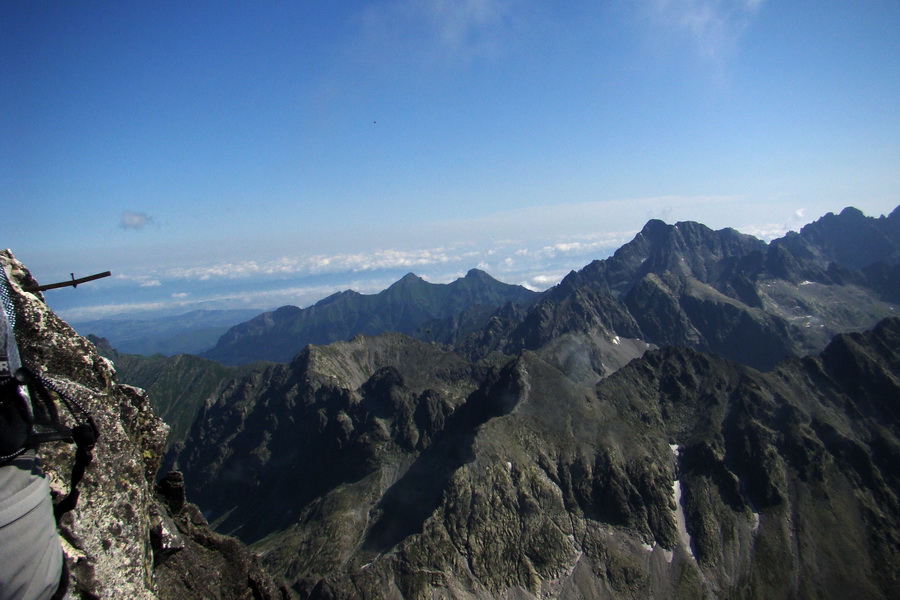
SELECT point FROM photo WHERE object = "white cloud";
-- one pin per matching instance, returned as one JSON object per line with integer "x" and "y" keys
{"x": 569, "y": 248}
{"x": 420, "y": 260}
{"x": 541, "y": 281}
{"x": 134, "y": 220}
{"x": 546, "y": 280}
{"x": 463, "y": 24}
{"x": 440, "y": 31}
{"x": 99, "y": 311}
{"x": 179, "y": 295}
{"x": 765, "y": 231}
{"x": 769, "y": 231}
{"x": 714, "y": 26}
{"x": 380, "y": 259}
{"x": 598, "y": 245}
{"x": 318, "y": 264}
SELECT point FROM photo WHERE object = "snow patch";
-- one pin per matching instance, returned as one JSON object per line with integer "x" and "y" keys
{"x": 684, "y": 538}
{"x": 806, "y": 282}
{"x": 616, "y": 340}
{"x": 755, "y": 517}
{"x": 509, "y": 466}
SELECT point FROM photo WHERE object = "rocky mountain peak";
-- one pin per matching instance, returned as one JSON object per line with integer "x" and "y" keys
{"x": 408, "y": 279}
{"x": 654, "y": 228}
{"x": 480, "y": 276}
{"x": 852, "y": 213}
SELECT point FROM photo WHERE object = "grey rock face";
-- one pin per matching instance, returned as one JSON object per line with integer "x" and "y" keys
{"x": 121, "y": 540}
{"x": 287, "y": 434}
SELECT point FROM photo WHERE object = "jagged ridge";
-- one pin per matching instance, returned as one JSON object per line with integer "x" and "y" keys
{"x": 721, "y": 291}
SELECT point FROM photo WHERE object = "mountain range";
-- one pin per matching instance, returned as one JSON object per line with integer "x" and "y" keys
{"x": 407, "y": 306}
{"x": 700, "y": 415}
{"x": 385, "y": 467}
{"x": 180, "y": 384}
{"x": 682, "y": 284}
{"x": 613, "y": 438}
{"x": 722, "y": 291}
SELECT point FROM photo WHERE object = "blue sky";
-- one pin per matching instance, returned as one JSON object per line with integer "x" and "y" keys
{"x": 234, "y": 154}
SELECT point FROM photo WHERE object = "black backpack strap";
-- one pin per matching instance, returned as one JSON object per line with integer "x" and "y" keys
{"x": 46, "y": 417}
{"x": 15, "y": 410}
{"x": 16, "y": 422}
{"x": 84, "y": 434}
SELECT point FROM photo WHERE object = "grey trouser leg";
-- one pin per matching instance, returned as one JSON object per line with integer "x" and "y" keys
{"x": 30, "y": 551}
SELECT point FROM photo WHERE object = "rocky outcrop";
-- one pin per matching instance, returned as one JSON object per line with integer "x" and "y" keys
{"x": 123, "y": 540}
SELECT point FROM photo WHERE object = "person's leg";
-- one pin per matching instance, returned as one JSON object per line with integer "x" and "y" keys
{"x": 30, "y": 552}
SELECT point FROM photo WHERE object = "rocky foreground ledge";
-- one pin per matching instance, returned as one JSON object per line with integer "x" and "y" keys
{"x": 128, "y": 537}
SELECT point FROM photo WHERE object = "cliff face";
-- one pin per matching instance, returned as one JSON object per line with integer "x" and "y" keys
{"x": 124, "y": 539}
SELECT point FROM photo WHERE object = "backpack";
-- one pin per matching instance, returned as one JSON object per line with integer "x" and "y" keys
{"x": 28, "y": 407}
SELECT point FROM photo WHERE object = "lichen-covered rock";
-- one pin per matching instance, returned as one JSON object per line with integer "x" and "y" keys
{"x": 121, "y": 539}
